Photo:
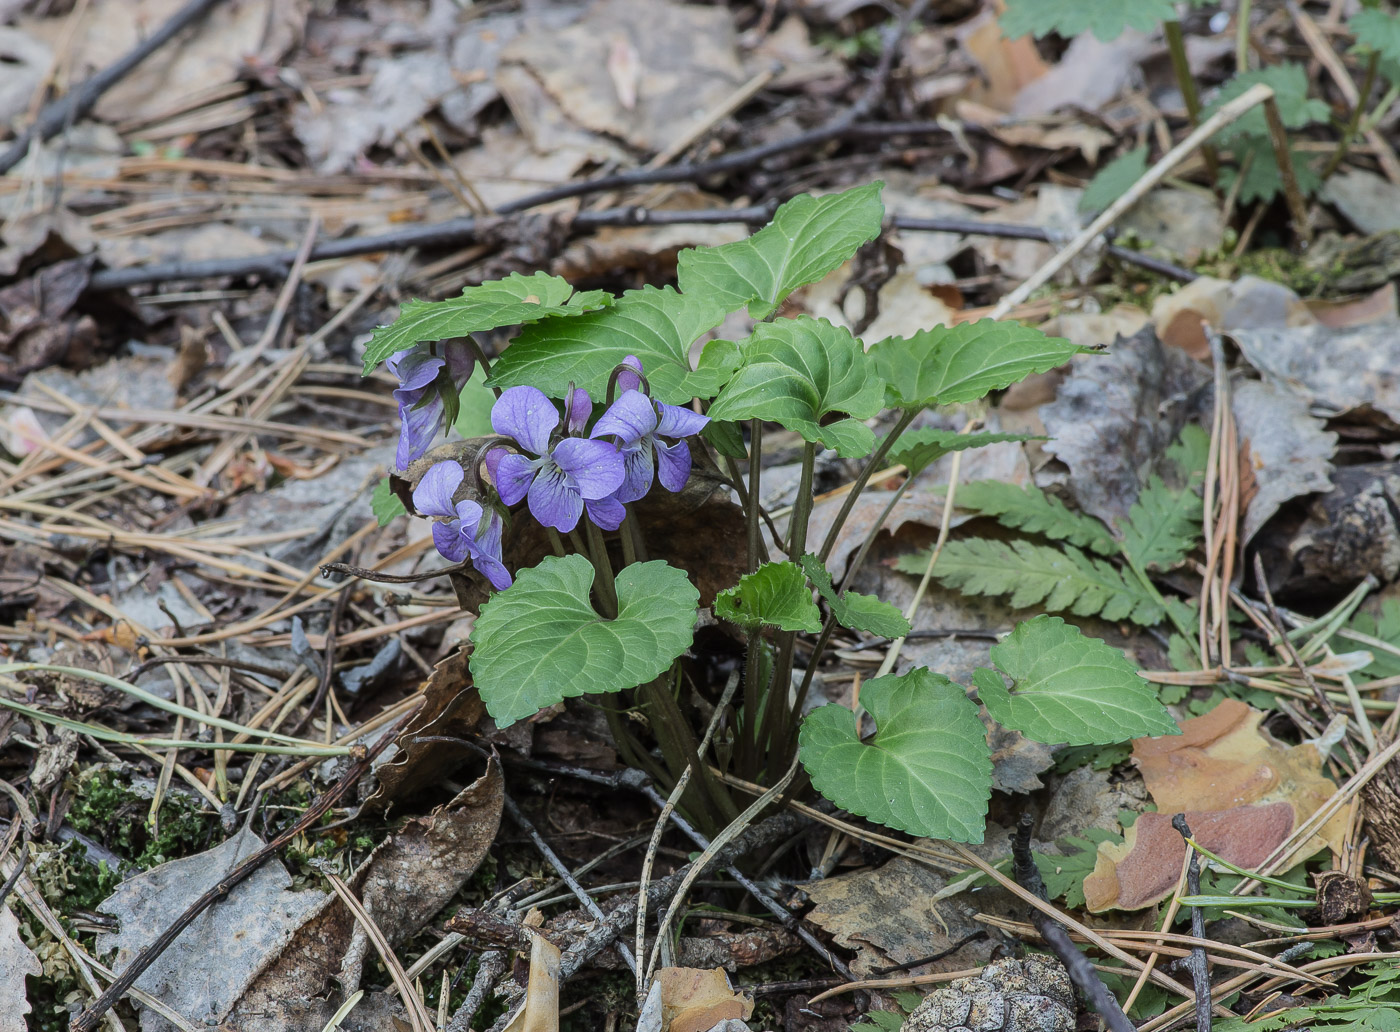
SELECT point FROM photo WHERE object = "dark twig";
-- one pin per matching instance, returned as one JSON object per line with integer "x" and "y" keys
{"x": 455, "y": 232}
{"x": 1200, "y": 970}
{"x": 562, "y": 869}
{"x": 1080, "y": 968}
{"x": 21, "y": 858}
{"x": 214, "y": 661}
{"x": 388, "y": 578}
{"x": 874, "y": 91}
{"x": 88, "y": 1019}
{"x": 79, "y": 101}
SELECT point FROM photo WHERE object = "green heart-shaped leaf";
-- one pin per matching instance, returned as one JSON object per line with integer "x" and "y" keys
{"x": 658, "y": 325}
{"x": 384, "y": 503}
{"x": 513, "y": 301}
{"x": 927, "y": 771}
{"x": 808, "y": 237}
{"x": 541, "y": 641}
{"x": 854, "y": 610}
{"x": 916, "y": 450}
{"x": 775, "y": 594}
{"x": 797, "y": 371}
{"x": 1067, "y": 687}
{"x": 951, "y": 364}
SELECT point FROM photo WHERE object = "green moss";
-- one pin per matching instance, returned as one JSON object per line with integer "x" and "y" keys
{"x": 110, "y": 811}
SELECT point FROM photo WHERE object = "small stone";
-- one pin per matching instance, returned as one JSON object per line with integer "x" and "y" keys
{"x": 1031, "y": 995}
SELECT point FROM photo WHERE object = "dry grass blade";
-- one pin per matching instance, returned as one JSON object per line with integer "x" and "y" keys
{"x": 417, "y": 1012}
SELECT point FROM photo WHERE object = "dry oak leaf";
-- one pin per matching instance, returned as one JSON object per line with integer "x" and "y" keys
{"x": 1242, "y": 791}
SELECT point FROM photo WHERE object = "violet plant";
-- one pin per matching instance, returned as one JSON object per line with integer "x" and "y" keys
{"x": 600, "y": 415}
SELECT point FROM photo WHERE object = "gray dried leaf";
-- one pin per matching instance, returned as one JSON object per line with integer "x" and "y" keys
{"x": 1337, "y": 370}
{"x": 1287, "y": 450}
{"x": 206, "y": 969}
{"x": 1116, "y": 415}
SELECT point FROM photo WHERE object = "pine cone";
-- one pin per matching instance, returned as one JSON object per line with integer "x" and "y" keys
{"x": 1031, "y": 995}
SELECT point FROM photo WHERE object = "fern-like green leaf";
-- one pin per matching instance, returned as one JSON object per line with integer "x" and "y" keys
{"x": 1062, "y": 580}
{"x": 1162, "y": 526}
{"x": 1291, "y": 87}
{"x": 1032, "y": 510}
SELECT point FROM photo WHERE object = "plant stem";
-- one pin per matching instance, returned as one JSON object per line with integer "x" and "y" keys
{"x": 705, "y": 797}
{"x": 555, "y": 542}
{"x": 632, "y": 531}
{"x": 602, "y": 566}
{"x": 802, "y": 505}
{"x": 777, "y": 730}
{"x": 1382, "y": 106}
{"x": 751, "y": 505}
{"x": 1292, "y": 192}
{"x": 829, "y": 625}
{"x": 1181, "y": 67}
{"x": 1242, "y": 37}
{"x": 854, "y": 493}
{"x": 1354, "y": 123}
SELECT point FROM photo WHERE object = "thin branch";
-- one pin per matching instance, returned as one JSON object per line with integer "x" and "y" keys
{"x": 1200, "y": 970}
{"x": 1081, "y": 970}
{"x": 78, "y": 102}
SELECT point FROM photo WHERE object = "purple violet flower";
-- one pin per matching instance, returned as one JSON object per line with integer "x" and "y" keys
{"x": 640, "y": 423}
{"x": 558, "y": 482}
{"x": 466, "y": 529}
{"x": 423, "y": 378}
{"x": 630, "y": 381}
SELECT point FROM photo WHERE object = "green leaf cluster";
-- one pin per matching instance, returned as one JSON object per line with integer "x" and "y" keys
{"x": 1066, "y": 687}
{"x": 540, "y": 641}
{"x": 1372, "y": 1006}
{"x": 516, "y": 300}
{"x": 916, "y": 450}
{"x": 853, "y": 610}
{"x": 1064, "y": 874}
{"x": 1106, "y": 19}
{"x": 1249, "y": 136}
{"x": 775, "y": 595}
{"x": 1062, "y": 579}
{"x": 949, "y": 365}
{"x": 1162, "y": 527}
{"x": 927, "y": 769}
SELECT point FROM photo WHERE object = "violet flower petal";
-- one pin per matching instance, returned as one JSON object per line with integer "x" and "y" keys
{"x": 673, "y": 464}
{"x": 630, "y": 381}
{"x": 419, "y": 424}
{"x": 638, "y": 471}
{"x": 629, "y": 418}
{"x": 433, "y": 495}
{"x": 525, "y": 414}
{"x": 451, "y": 543}
{"x": 607, "y": 513}
{"x": 554, "y": 498}
{"x": 676, "y": 421}
{"x": 493, "y": 570}
{"x": 415, "y": 368}
{"x": 514, "y": 474}
{"x": 461, "y": 360}
{"x": 594, "y": 467}
{"x": 493, "y": 460}
{"x": 577, "y": 410}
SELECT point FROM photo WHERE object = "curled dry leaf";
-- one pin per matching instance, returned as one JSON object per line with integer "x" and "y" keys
{"x": 408, "y": 878}
{"x": 1242, "y": 791}
{"x": 694, "y": 1000}
{"x": 541, "y": 1010}
{"x": 1285, "y": 450}
{"x": 451, "y": 708}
